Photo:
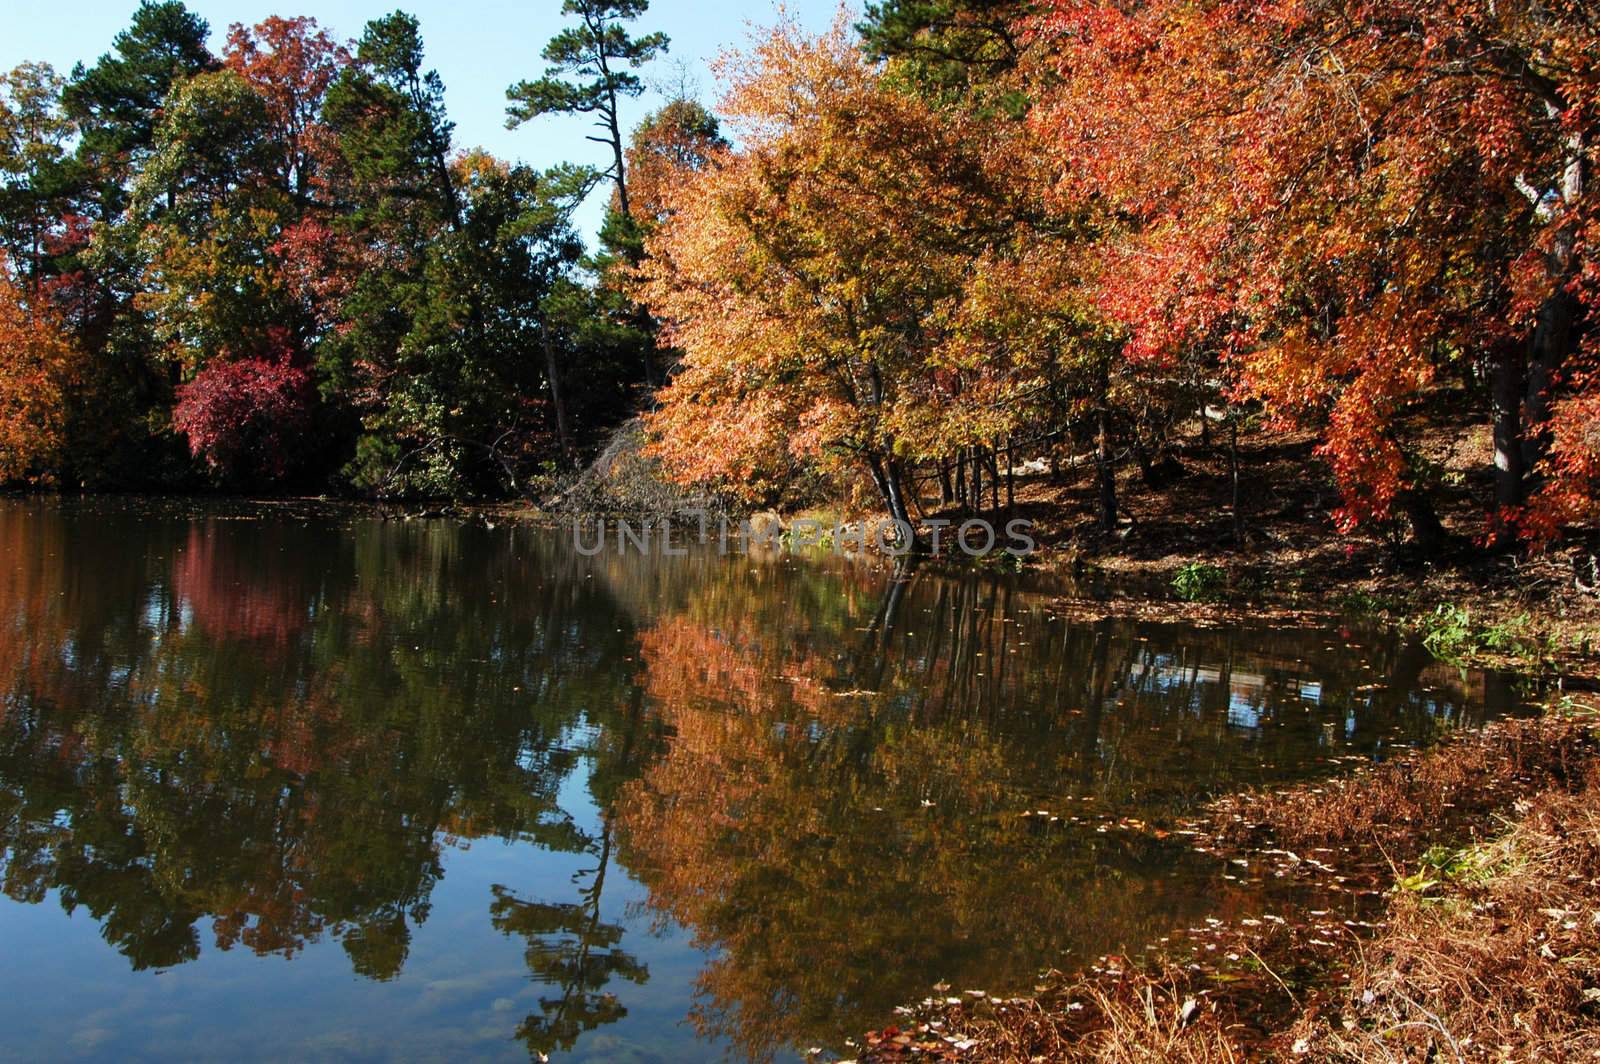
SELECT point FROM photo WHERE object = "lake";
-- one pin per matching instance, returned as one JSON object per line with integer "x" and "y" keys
{"x": 292, "y": 782}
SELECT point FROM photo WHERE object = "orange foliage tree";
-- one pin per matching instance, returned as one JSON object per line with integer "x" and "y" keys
{"x": 39, "y": 364}
{"x": 802, "y": 275}
{"x": 292, "y": 62}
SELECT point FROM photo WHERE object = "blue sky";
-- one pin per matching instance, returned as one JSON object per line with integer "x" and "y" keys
{"x": 478, "y": 46}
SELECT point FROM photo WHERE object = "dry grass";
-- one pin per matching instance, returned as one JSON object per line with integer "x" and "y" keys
{"x": 1500, "y": 964}
{"x": 1130, "y": 1018}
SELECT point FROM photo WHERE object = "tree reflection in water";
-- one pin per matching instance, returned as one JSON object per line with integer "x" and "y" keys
{"x": 837, "y": 812}
{"x": 572, "y": 951}
{"x": 274, "y": 730}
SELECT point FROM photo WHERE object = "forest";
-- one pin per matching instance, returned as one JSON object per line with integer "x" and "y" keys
{"x": 891, "y": 265}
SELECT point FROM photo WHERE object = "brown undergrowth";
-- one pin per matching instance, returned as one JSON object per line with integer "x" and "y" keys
{"x": 1399, "y": 808}
{"x": 1479, "y": 863}
{"x": 1495, "y": 959}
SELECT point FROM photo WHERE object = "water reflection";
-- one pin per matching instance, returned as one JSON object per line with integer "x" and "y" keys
{"x": 840, "y": 798}
{"x": 241, "y": 731}
{"x": 575, "y": 953}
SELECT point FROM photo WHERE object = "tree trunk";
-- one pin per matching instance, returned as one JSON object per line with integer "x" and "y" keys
{"x": 976, "y": 505}
{"x": 642, "y": 322}
{"x": 886, "y": 474}
{"x": 1011, "y": 476}
{"x": 620, "y": 173}
{"x": 1551, "y": 343}
{"x": 1506, "y": 398}
{"x": 557, "y": 397}
{"x": 1233, "y": 476}
{"x": 881, "y": 482}
{"x": 897, "y": 495}
{"x": 1107, "y": 471}
{"x": 1069, "y": 439}
{"x": 1555, "y": 331}
{"x": 994, "y": 479}
{"x": 1426, "y": 530}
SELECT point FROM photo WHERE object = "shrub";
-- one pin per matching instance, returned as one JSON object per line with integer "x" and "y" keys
{"x": 1198, "y": 582}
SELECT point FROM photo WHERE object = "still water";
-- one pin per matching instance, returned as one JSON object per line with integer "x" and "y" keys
{"x": 321, "y": 786}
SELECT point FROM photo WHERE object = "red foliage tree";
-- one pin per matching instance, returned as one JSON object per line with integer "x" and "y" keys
{"x": 246, "y": 418}
{"x": 1343, "y": 199}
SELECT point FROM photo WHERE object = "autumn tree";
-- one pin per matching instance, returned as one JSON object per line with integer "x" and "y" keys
{"x": 1026, "y": 353}
{"x": 801, "y": 274}
{"x": 39, "y": 365}
{"x": 115, "y": 104}
{"x": 1028, "y": 348}
{"x": 292, "y": 63}
{"x": 209, "y": 210}
{"x": 249, "y": 418}
{"x": 1342, "y": 201}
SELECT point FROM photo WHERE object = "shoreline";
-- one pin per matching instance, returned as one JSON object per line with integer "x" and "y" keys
{"x": 1473, "y": 609}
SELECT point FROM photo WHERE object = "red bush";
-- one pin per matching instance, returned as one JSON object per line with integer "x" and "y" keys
{"x": 246, "y": 418}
